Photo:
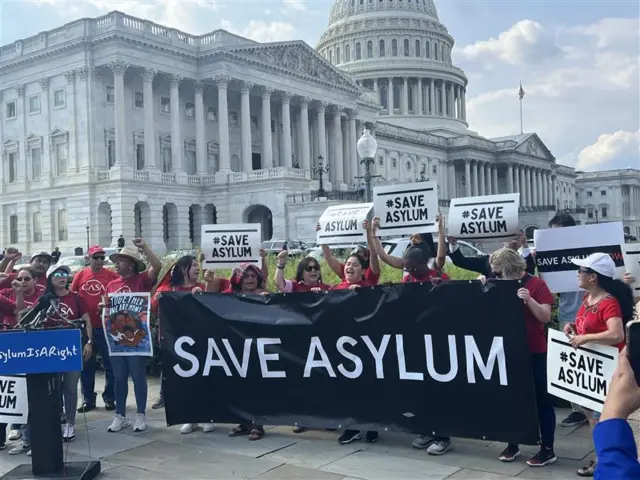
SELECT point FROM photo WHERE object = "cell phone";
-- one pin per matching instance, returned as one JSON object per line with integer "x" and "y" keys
{"x": 633, "y": 347}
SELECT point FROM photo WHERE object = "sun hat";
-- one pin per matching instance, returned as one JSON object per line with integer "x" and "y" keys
{"x": 131, "y": 253}
{"x": 41, "y": 254}
{"x": 94, "y": 250}
{"x": 54, "y": 268}
{"x": 598, "y": 262}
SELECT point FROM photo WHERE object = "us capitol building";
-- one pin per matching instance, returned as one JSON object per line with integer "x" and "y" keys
{"x": 117, "y": 125}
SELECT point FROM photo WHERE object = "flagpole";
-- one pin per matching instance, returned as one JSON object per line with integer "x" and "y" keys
{"x": 521, "y": 128}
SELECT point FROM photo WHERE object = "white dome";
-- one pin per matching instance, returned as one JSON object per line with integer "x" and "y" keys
{"x": 400, "y": 43}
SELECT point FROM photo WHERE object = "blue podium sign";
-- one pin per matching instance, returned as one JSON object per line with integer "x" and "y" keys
{"x": 40, "y": 351}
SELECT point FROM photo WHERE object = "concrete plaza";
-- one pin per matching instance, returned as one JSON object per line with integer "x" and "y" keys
{"x": 163, "y": 453}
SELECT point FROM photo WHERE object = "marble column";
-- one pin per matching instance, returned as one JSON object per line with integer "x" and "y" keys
{"x": 553, "y": 190}
{"x": 352, "y": 115}
{"x": 474, "y": 179}
{"x": 70, "y": 77}
{"x": 338, "y": 166}
{"x": 464, "y": 104}
{"x": 151, "y": 160}
{"x": 224, "y": 157}
{"x": 528, "y": 189}
{"x": 538, "y": 188}
{"x": 481, "y": 178}
{"x": 495, "y": 190}
{"x": 467, "y": 178}
{"x": 523, "y": 189}
{"x": 245, "y": 126}
{"x": 201, "y": 140}
{"x": 176, "y": 123}
{"x": 375, "y": 86}
{"x": 346, "y": 157}
{"x": 452, "y": 101}
{"x": 265, "y": 132}
{"x": 432, "y": 97}
{"x": 443, "y": 100}
{"x": 543, "y": 182}
{"x": 452, "y": 180}
{"x": 322, "y": 132}
{"x": 119, "y": 68}
{"x": 420, "y": 97}
{"x": 549, "y": 190}
{"x": 443, "y": 171}
{"x": 405, "y": 96}
{"x": 390, "y": 96}
{"x": 510, "y": 179}
{"x": 286, "y": 129}
{"x": 304, "y": 133}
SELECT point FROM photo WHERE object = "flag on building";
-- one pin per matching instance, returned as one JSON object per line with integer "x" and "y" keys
{"x": 521, "y": 92}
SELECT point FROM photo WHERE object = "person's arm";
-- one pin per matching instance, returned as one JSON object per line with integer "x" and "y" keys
{"x": 265, "y": 266}
{"x": 333, "y": 262}
{"x": 210, "y": 284}
{"x": 75, "y": 283}
{"x": 475, "y": 264}
{"x": 374, "y": 262}
{"x": 155, "y": 264}
{"x": 278, "y": 278}
{"x": 612, "y": 336}
{"x": 541, "y": 312}
{"x": 87, "y": 351}
{"x": 441, "y": 254}
{"x": 10, "y": 266}
{"x": 391, "y": 260}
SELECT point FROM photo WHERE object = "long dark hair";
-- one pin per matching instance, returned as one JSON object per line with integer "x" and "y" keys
{"x": 419, "y": 252}
{"x": 177, "y": 271}
{"x": 358, "y": 251}
{"x": 621, "y": 292}
{"x": 50, "y": 291}
{"x": 361, "y": 261}
{"x": 302, "y": 266}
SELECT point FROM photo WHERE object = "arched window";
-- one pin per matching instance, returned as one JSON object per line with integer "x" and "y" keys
{"x": 382, "y": 52}
{"x": 397, "y": 96}
{"x": 435, "y": 51}
{"x": 394, "y": 48}
{"x": 417, "y": 48}
{"x": 337, "y": 55}
{"x": 358, "y": 51}
{"x": 347, "y": 53}
{"x": 442, "y": 52}
{"x": 369, "y": 49}
{"x": 406, "y": 47}
{"x": 384, "y": 98}
{"x": 427, "y": 49}
{"x": 330, "y": 56}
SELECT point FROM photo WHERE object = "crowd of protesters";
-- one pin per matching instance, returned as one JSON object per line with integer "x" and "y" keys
{"x": 595, "y": 314}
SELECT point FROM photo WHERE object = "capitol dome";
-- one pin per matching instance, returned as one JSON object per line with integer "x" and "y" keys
{"x": 400, "y": 51}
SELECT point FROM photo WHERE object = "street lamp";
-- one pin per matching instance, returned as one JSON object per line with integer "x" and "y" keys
{"x": 367, "y": 147}
{"x": 86, "y": 225}
{"x": 320, "y": 170}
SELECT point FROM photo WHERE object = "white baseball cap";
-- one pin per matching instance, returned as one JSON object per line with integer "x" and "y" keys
{"x": 598, "y": 262}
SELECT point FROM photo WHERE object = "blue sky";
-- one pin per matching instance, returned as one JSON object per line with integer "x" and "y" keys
{"x": 578, "y": 60}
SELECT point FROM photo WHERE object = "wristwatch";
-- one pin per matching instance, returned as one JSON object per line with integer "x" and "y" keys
{"x": 89, "y": 342}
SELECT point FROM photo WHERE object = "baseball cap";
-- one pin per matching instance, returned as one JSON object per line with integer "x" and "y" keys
{"x": 55, "y": 268}
{"x": 95, "y": 250}
{"x": 41, "y": 254}
{"x": 598, "y": 262}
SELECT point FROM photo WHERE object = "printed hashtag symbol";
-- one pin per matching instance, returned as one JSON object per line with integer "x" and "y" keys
{"x": 465, "y": 214}
{"x": 389, "y": 203}
{"x": 563, "y": 357}
{"x": 216, "y": 240}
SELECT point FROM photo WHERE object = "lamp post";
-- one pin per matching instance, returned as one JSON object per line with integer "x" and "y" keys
{"x": 367, "y": 147}
{"x": 86, "y": 225}
{"x": 320, "y": 170}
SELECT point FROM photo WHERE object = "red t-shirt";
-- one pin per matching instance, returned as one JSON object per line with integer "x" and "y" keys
{"x": 431, "y": 274}
{"x": 224, "y": 285}
{"x": 140, "y": 283}
{"x": 536, "y": 335}
{"x": 297, "y": 287}
{"x": 10, "y": 321}
{"x": 7, "y": 307}
{"x": 41, "y": 283}
{"x": 71, "y": 306}
{"x": 369, "y": 276}
{"x": 92, "y": 286}
{"x": 593, "y": 318}
{"x": 344, "y": 285}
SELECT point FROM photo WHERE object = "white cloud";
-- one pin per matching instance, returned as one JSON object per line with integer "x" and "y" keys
{"x": 611, "y": 31}
{"x": 262, "y": 31}
{"x": 297, "y": 5}
{"x": 525, "y": 42}
{"x": 610, "y": 147}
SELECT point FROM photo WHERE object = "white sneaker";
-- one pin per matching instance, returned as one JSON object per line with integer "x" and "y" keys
{"x": 188, "y": 428}
{"x": 69, "y": 433}
{"x": 14, "y": 435}
{"x": 422, "y": 442}
{"x": 208, "y": 427}
{"x": 20, "y": 448}
{"x": 140, "y": 425}
{"x": 119, "y": 422}
{"x": 439, "y": 447}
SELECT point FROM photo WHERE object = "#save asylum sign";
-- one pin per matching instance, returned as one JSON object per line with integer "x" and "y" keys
{"x": 490, "y": 216}
{"x": 342, "y": 224}
{"x": 407, "y": 208}
{"x": 227, "y": 245}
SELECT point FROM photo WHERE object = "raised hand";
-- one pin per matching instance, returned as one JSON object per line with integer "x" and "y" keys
{"x": 209, "y": 275}
{"x": 139, "y": 242}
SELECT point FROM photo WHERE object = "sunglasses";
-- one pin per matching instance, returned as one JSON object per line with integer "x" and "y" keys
{"x": 99, "y": 257}
{"x": 311, "y": 268}
{"x": 585, "y": 270}
{"x": 61, "y": 275}
{"x": 24, "y": 279}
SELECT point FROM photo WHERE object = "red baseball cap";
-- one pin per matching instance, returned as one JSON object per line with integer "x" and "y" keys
{"x": 95, "y": 249}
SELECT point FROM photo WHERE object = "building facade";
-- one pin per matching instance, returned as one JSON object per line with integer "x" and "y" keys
{"x": 116, "y": 125}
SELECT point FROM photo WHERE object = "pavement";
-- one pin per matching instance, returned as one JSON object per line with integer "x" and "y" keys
{"x": 162, "y": 452}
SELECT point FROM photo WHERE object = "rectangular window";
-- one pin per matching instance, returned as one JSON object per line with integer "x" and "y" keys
{"x": 140, "y": 156}
{"x": 589, "y": 194}
{"x": 166, "y": 160}
{"x": 111, "y": 153}
{"x": 189, "y": 109}
{"x": 604, "y": 212}
{"x": 138, "y": 100}
{"x": 10, "y": 109}
{"x": 603, "y": 193}
{"x": 13, "y": 229}
{"x": 61, "y": 159}
{"x": 110, "y": 94}
{"x": 254, "y": 122}
{"x": 191, "y": 162}
{"x": 394, "y": 163}
{"x": 34, "y": 104}
{"x": 211, "y": 114}
{"x": 165, "y": 104}
{"x": 233, "y": 119}
{"x": 273, "y": 126}
{"x": 63, "y": 234}
{"x": 589, "y": 214}
{"x": 12, "y": 166}
{"x": 381, "y": 161}
{"x": 37, "y": 227}
{"x": 36, "y": 163}
{"x": 58, "y": 98}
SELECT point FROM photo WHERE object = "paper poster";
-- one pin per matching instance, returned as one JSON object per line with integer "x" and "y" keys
{"x": 580, "y": 375}
{"x": 632, "y": 265}
{"x": 126, "y": 325}
{"x": 555, "y": 247}
{"x": 227, "y": 245}
{"x": 490, "y": 216}
{"x": 14, "y": 405}
{"x": 342, "y": 224}
{"x": 406, "y": 209}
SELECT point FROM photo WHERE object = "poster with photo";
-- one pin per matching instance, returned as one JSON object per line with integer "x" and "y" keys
{"x": 126, "y": 325}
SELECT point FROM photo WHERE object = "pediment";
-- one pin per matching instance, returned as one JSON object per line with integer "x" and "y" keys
{"x": 9, "y": 142}
{"x": 535, "y": 147}
{"x": 296, "y": 58}
{"x": 56, "y": 132}
{"x": 33, "y": 137}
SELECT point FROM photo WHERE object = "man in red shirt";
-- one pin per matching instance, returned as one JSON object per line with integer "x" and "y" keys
{"x": 91, "y": 284}
{"x": 39, "y": 263}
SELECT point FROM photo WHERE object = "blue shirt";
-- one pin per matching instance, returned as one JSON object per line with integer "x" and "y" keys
{"x": 568, "y": 306}
{"x": 616, "y": 451}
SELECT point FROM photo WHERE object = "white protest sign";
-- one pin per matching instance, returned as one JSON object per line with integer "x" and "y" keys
{"x": 228, "y": 244}
{"x": 580, "y": 375}
{"x": 14, "y": 407}
{"x": 342, "y": 224}
{"x": 555, "y": 247}
{"x": 407, "y": 208}
{"x": 632, "y": 265}
{"x": 490, "y": 216}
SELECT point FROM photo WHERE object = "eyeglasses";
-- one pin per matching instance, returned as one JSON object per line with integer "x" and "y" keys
{"x": 497, "y": 274}
{"x": 585, "y": 270}
{"x": 61, "y": 275}
{"x": 24, "y": 279}
{"x": 311, "y": 268}
{"x": 99, "y": 257}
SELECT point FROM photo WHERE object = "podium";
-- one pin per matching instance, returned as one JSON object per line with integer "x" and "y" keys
{"x": 43, "y": 355}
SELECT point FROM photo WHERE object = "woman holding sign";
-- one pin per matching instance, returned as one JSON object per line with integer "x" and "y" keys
{"x": 507, "y": 264}
{"x": 308, "y": 276}
{"x": 607, "y": 306}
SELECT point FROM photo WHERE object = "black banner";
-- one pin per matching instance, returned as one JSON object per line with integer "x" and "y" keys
{"x": 451, "y": 360}
{"x": 560, "y": 260}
